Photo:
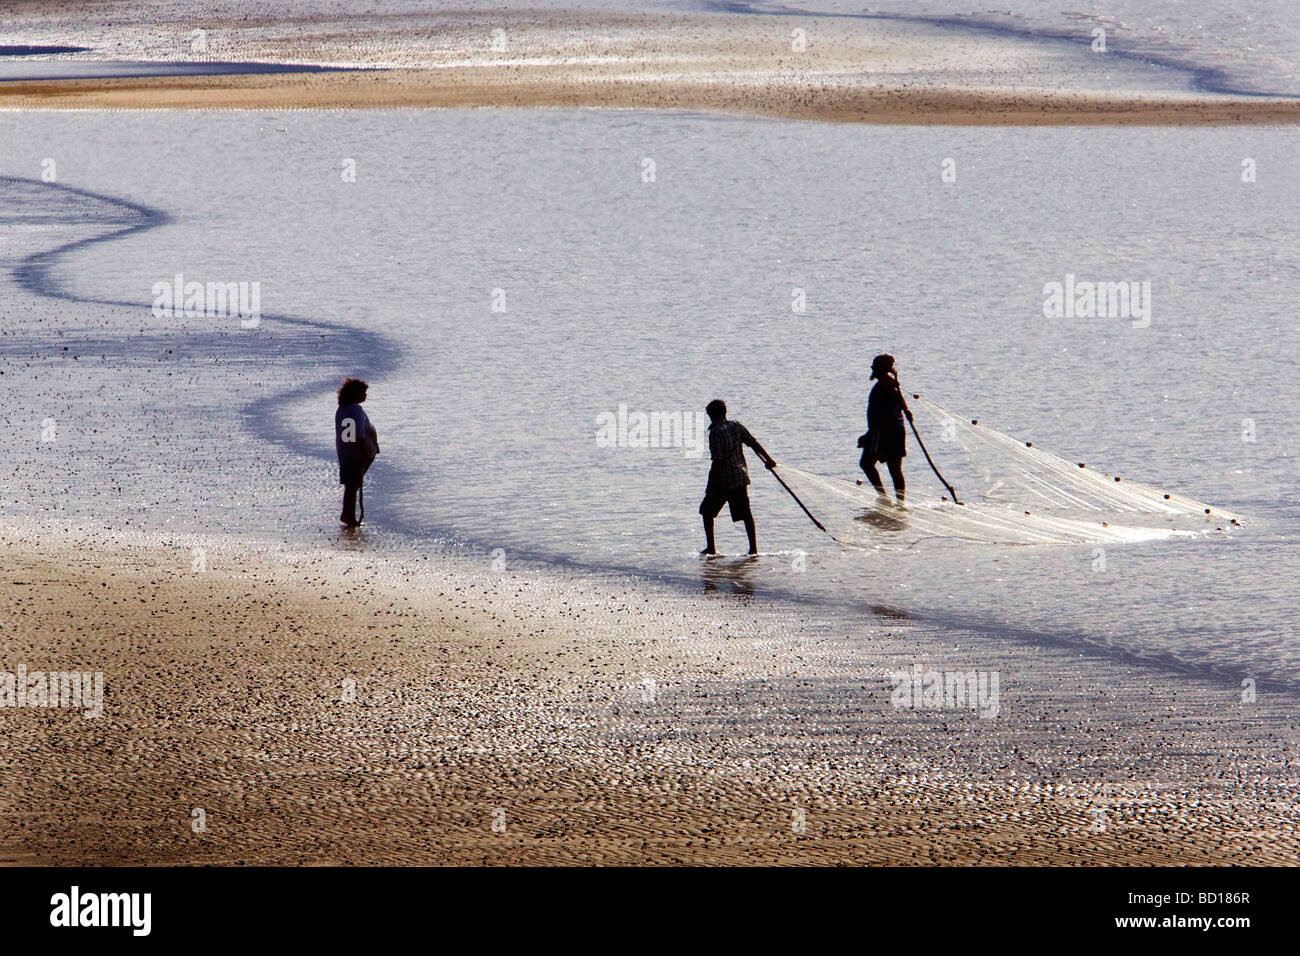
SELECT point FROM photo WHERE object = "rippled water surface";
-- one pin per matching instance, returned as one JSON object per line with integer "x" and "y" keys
{"x": 505, "y": 279}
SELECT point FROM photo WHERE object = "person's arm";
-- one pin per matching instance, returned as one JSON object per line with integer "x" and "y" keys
{"x": 898, "y": 390}
{"x": 752, "y": 442}
{"x": 367, "y": 437}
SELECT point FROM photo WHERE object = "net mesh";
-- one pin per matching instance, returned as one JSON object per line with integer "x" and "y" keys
{"x": 1022, "y": 495}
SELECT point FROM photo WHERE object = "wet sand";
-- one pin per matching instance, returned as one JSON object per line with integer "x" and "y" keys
{"x": 553, "y": 88}
{"x": 834, "y": 70}
{"x": 498, "y": 720}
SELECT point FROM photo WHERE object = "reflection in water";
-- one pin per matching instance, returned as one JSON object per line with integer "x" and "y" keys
{"x": 355, "y": 539}
{"x": 730, "y": 574}
{"x": 893, "y": 613}
{"x": 891, "y": 520}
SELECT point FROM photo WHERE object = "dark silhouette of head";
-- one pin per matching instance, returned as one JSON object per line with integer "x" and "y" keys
{"x": 717, "y": 409}
{"x": 882, "y": 365}
{"x": 352, "y": 391}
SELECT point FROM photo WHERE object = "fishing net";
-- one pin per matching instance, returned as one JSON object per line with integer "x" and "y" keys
{"x": 1011, "y": 491}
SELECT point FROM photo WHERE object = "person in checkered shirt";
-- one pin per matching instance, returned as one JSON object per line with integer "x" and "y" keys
{"x": 728, "y": 477}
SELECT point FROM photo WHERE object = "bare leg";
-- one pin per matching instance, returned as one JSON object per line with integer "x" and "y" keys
{"x": 873, "y": 475}
{"x": 708, "y": 537}
{"x": 896, "y": 475}
{"x": 349, "y": 515}
{"x": 753, "y": 534}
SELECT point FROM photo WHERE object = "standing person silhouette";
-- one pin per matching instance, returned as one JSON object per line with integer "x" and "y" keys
{"x": 357, "y": 444}
{"x": 885, "y": 439}
{"x": 728, "y": 476}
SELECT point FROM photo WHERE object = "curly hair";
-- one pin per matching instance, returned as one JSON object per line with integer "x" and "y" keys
{"x": 352, "y": 390}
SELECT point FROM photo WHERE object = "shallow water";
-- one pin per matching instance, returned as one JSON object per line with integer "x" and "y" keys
{"x": 1227, "y": 46}
{"x": 108, "y": 69}
{"x": 660, "y": 295}
{"x": 1244, "y": 46}
{"x": 1250, "y": 46}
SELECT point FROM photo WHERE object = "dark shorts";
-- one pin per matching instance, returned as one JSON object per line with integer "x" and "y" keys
{"x": 869, "y": 460}
{"x": 737, "y": 498}
{"x": 882, "y": 445}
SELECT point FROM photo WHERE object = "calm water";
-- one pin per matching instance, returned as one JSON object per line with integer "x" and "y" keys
{"x": 611, "y": 286}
